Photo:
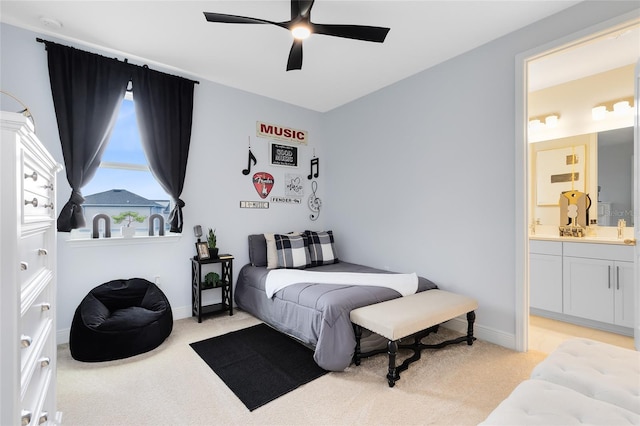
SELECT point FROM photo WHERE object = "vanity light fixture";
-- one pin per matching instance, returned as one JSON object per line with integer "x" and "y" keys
{"x": 541, "y": 122}
{"x": 618, "y": 107}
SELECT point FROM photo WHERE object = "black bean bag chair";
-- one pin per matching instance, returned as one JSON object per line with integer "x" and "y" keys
{"x": 119, "y": 319}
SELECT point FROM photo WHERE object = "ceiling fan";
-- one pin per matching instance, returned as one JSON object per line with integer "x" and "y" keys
{"x": 301, "y": 27}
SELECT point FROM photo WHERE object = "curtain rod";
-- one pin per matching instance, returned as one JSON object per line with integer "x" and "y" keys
{"x": 126, "y": 61}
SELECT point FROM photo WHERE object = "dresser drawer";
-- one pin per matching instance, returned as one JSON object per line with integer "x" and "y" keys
{"x": 37, "y": 190}
{"x": 33, "y": 256}
{"x": 41, "y": 362}
{"x": 36, "y": 207}
{"x": 35, "y": 400}
{"x": 35, "y": 178}
{"x": 35, "y": 327}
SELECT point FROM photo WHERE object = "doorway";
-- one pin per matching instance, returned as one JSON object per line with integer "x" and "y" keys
{"x": 526, "y": 67}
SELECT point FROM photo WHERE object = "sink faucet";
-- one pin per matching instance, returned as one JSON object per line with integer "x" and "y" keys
{"x": 621, "y": 225}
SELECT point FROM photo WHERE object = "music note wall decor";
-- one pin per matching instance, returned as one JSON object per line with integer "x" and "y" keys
{"x": 251, "y": 158}
{"x": 315, "y": 162}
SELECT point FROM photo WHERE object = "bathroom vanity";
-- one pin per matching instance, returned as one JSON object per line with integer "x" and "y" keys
{"x": 586, "y": 281}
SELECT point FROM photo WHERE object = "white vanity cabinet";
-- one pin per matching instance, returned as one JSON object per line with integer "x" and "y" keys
{"x": 545, "y": 278}
{"x": 598, "y": 282}
{"x": 573, "y": 281}
{"x": 27, "y": 276}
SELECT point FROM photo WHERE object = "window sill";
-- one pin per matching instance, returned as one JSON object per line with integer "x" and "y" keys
{"x": 120, "y": 241}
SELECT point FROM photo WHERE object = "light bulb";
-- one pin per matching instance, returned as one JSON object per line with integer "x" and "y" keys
{"x": 621, "y": 107}
{"x": 535, "y": 124}
{"x": 551, "y": 121}
{"x": 301, "y": 32}
{"x": 599, "y": 112}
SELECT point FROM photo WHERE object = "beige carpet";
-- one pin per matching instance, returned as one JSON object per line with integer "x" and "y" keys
{"x": 171, "y": 385}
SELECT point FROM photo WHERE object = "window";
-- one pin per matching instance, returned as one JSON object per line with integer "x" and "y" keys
{"x": 123, "y": 182}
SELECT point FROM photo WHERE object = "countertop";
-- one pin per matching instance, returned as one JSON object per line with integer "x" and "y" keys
{"x": 587, "y": 239}
{"x": 596, "y": 235}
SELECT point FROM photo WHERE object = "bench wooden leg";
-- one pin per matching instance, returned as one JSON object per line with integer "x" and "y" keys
{"x": 471, "y": 318}
{"x": 357, "y": 352}
{"x": 393, "y": 375}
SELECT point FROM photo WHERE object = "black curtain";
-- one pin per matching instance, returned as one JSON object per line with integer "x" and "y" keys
{"x": 164, "y": 110}
{"x": 87, "y": 90}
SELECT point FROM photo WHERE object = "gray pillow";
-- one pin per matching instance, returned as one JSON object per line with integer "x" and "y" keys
{"x": 257, "y": 250}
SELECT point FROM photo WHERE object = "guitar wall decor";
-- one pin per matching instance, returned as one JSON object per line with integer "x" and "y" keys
{"x": 263, "y": 182}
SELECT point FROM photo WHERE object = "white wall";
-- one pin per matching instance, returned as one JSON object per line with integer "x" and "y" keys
{"x": 422, "y": 174}
{"x": 223, "y": 120}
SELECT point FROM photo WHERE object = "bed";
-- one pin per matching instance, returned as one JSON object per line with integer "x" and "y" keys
{"x": 316, "y": 314}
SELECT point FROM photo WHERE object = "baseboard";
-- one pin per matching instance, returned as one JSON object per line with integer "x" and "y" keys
{"x": 483, "y": 333}
{"x": 457, "y": 324}
{"x": 583, "y": 322}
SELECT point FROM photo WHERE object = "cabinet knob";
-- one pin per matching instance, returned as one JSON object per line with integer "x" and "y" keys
{"x": 26, "y": 417}
{"x": 45, "y": 306}
{"x": 33, "y": 176}
{"x": 25, "y": 341}
{"x": 24, "y": 266}
{"x": 48, "y": 206}
{"x": 33, "y": 202}
{"x": 50, "y": 186}
{"x": 43, "y": 418}
{"x": 45, "y": 361}
{"x": 42, "y": 252}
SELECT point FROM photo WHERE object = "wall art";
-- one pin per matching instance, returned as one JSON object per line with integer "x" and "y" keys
{"x": 263, "y": 182}
{"x": 286, "y": 200}
{"x": 284, "y": 155}
{"x": 293, "y": 185}
{"x": 282, "y": 133}
{"x": 315, "y": 162}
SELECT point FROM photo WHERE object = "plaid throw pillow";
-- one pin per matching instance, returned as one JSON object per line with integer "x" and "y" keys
{"x": 292, "y": 251}
{"x": 321, "y": 248}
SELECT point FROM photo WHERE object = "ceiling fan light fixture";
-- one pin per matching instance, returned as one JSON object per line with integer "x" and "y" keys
{"x": 300, "y": 32}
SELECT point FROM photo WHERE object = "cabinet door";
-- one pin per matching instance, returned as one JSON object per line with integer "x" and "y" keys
{"x": 588, "y": 288}
{"x": 545, "y": 282}
{"x": 623, "y": 293}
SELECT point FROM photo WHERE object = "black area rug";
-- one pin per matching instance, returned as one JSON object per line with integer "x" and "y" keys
{"x": 258, "y": 363}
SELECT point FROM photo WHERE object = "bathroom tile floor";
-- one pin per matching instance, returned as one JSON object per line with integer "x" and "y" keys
{"x": 546, "y": 334}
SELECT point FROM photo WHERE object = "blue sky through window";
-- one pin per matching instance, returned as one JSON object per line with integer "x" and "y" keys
{"x": 125, "y": 147}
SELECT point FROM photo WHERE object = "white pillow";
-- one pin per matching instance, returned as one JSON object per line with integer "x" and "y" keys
{"x": 272, "y": 254}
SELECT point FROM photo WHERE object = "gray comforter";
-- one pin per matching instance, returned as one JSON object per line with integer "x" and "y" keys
{"x": 315, "y": 314}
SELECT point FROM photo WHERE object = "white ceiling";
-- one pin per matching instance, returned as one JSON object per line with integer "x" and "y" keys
{"x": 175, "y": 35}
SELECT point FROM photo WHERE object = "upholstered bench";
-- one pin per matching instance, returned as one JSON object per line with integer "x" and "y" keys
{"x": 415, "y": 316}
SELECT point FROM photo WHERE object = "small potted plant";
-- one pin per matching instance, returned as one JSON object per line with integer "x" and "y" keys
{"x": 211, "y": 279}
{"x": 211, "y": 240}
{"x": 127, "y": 218}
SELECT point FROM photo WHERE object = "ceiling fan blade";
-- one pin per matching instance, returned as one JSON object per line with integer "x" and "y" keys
{"x": 295, "y": 56}
{"x": 300, "y": 8}
{"x": 235, "y": 19}
{"x": 357, "y": 32}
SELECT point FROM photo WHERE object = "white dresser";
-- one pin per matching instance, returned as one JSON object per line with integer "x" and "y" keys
{"x": 27, "y": 276}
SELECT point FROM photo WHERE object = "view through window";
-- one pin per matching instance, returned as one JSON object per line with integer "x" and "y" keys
{"x": 123, "y": 188}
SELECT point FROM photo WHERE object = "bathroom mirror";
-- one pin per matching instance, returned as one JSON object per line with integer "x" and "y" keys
{"x": 615, "y": 176}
